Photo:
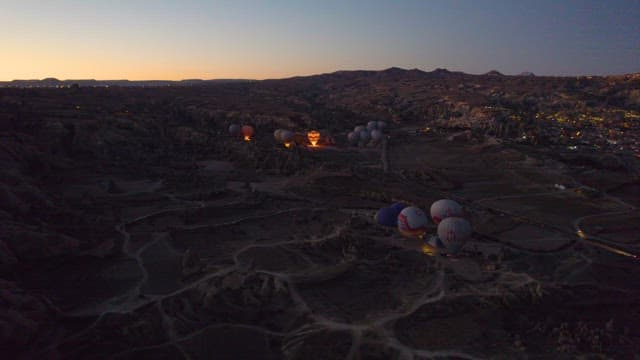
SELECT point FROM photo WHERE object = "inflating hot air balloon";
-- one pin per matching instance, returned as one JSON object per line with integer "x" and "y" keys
{"x": 381, "y": 125}
{"x": 387, "y": 216}
{"x": 247, "y": 132}
{"x": 313, "y": 137}
{"x": 412, "y": 222}
{"x": 353, "y": 138}
{"x": 364, "y": 136}
{"x": 235, "y": 130}
{"x": 445, "y": 208}
{"x": 376, "y": 135}
{"x": 372, "y": 125}
{"x": 397, "y": 207}
{"x": 287, "y": 137}
{"x": 359, "y": 128}
{"x": 454, "y": 232}
{"x": 276, "y": 135}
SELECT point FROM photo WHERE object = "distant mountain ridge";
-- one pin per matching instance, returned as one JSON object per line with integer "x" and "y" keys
{"x": 392, "y": 72}
{"x": 53, "y": 82}
{"x": 494, "y": 73}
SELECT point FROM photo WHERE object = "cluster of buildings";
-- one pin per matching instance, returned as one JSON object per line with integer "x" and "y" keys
{"x": 609, "y": 130}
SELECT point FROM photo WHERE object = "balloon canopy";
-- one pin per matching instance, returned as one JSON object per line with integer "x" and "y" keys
{"x": 376, "y": 135}
{"x": 445, "y": 208}
{"x": 412, "y": 222}
{"x": 398, "y": 207}
{"x": 314, "y": 137}
{"x": 276, "y": 134}
{"x": 387, "y": 216}
{"x": 381, "y": 125}
{"x": 353, "y": 138}
{"x": 364, "y": 135}
{"x": 454, "y": 232}
{"x": 247, "y": 132}
{"x": 372, "y": 125}
{"x": 287, "y": 136}
{"x": 359, "y": 128}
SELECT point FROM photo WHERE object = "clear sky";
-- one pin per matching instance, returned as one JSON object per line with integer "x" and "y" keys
{"x": 162, "y": 39}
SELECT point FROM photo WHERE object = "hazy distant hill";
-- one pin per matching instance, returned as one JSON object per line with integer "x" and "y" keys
{"x": 494, "y": 73}
{"x": 387, "y": 74}
{"x": 53, "y": 82}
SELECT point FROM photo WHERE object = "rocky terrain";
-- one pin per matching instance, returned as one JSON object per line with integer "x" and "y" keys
{"x": 132, "y": 225}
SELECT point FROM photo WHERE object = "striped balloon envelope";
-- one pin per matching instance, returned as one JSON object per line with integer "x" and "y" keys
{"x": 412, "y": 222}
{"x": 454, "y": 233}
{"x": 445, "y": 208}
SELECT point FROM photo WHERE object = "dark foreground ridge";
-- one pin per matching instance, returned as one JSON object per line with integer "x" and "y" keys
{"x": 133, "y": 226}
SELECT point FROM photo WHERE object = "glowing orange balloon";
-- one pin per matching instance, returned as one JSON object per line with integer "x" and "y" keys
{"x": 247, "y": 132}
{"x": 313, "y": 137}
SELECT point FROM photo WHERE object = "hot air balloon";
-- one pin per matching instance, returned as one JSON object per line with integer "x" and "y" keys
{"x": 353, "y": 138}
{"x": 235, "y": 130}
{"x": 287, "y": 137}
{"x": 445, "y": 208}
{"x": 313, "y": 137}
{"x": 381, "y": 125}
{"x": 376, "y": 135}
{"x": 412, "y": 222}
{"x": 387, "y": 217}
{"x": 276, "y": 135}
{"x": 364, "y": 136}
{"x": 247, "y": 132}
{"x": 372, "y": 125}
{"x": 454, "y": 232}
{"x": 397, "y": 207}
{"x": 359, "y": 128}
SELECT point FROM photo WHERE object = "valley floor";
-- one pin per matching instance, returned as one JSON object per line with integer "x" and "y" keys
{"x": 256, "y": 264}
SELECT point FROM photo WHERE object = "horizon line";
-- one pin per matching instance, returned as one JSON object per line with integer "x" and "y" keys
{"x": 323, "y": 73}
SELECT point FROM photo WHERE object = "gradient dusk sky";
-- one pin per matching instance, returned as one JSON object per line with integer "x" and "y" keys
{"x": 162, "y": 39}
